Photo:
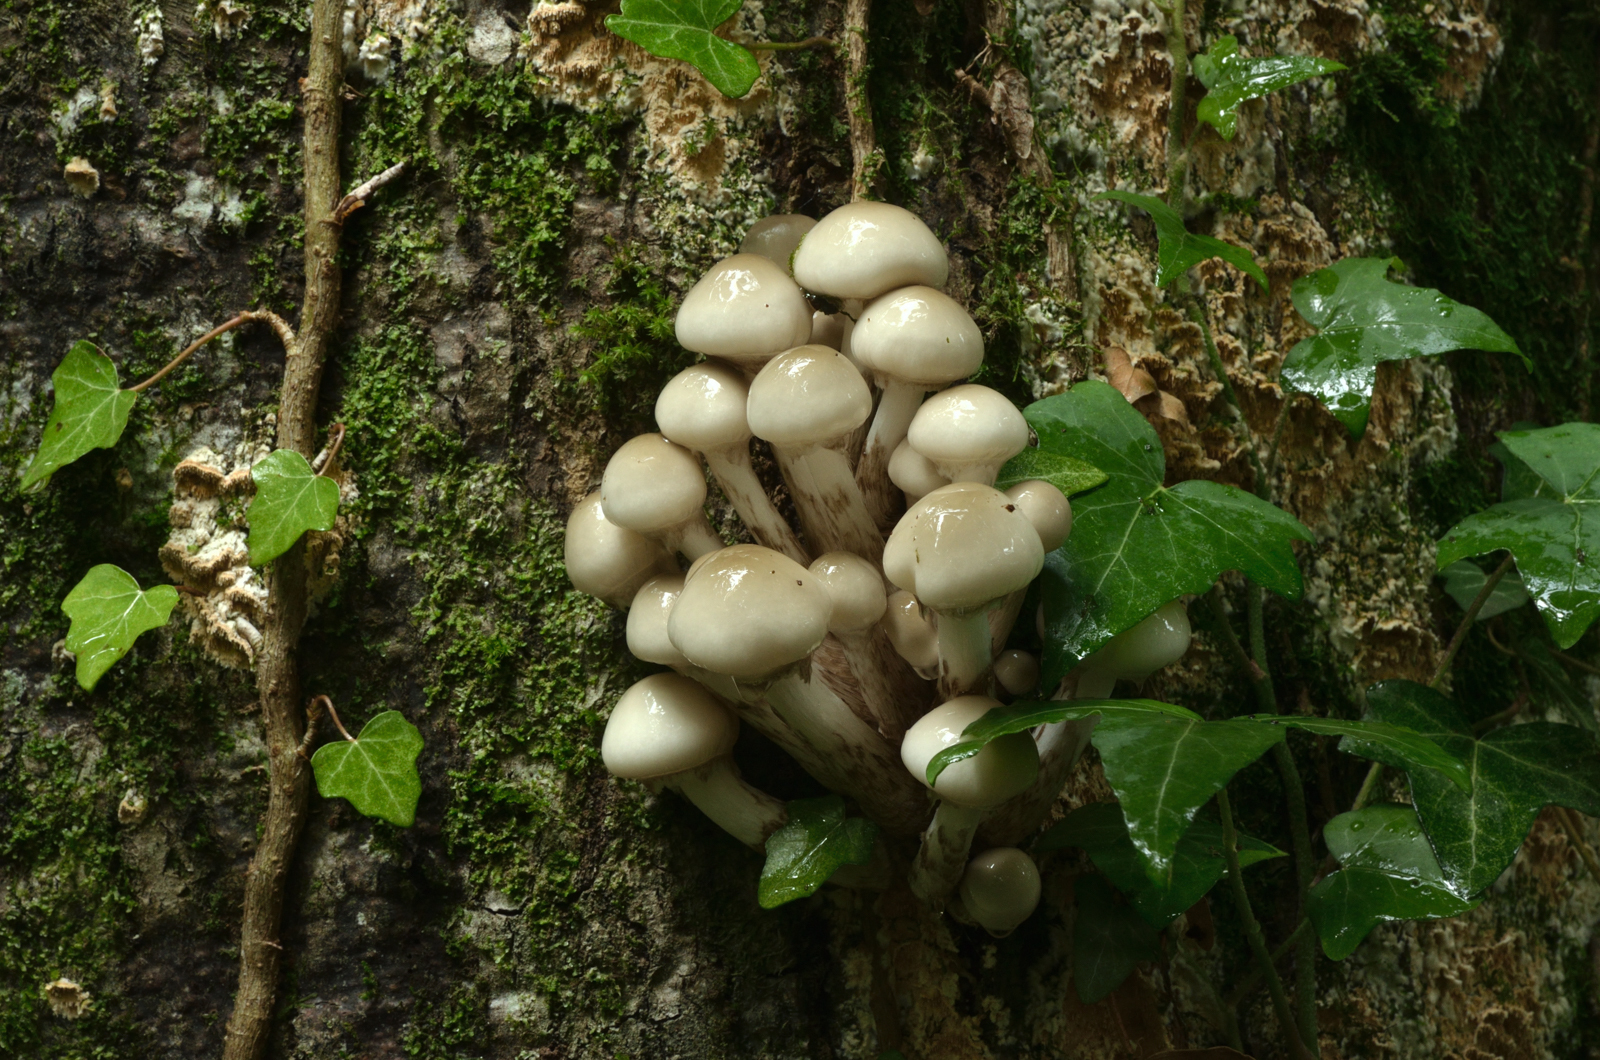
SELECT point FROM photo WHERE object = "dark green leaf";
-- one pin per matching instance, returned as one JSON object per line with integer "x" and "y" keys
{"x": 1063, "y": 472}
{"x": 1552, "y": 684}
{"x": 1554, "y": 534}
{"x": 1197, "y": 865}
{"x": 1232, "y": 78}
{"x": 1178, "y": 250}
{"x": 90, "y": 412}
{"x": 377, "y": 771}
{"x": 683, "y": 29}
{"x": 1365, "y": 320}
{"x": 1516, "y": 771}
{"x": 1109, "y": 939}
{"x": 1399, "y": 743}
{"x": 1463, "y": 580}
{"x": 1135, "y": 545}
{"x": 1388, "y": 872}
{"x": 806, "y": 852}
{"x": 108, "y": 613}
{"x": 290, "y": 499}
{"x": 1519, "y": 480}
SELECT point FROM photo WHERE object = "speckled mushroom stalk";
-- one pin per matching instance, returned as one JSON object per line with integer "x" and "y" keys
{"x": 888, "y": 685}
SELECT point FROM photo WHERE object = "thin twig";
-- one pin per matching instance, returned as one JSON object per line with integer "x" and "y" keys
{"x": 328, "y": 458}
{"x": 1230, "y": 640}
{"x": 1467, "y": 620}
{"x": 791, "y": 46}
{"x": 1578, "y": 663}
{"x": 358, "y": 198}
{"x": 334, "y": 714}
{"x": 195, "y": 345}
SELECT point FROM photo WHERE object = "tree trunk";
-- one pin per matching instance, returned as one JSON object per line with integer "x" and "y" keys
{"x": 507, "y": 321}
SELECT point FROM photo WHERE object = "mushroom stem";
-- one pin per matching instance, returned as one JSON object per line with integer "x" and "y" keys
{"x": 965, "y": 651}
{"x": 738, "y": 480}
{"x": 832, "y": 509}
{"x": 894, "y": 693}
{"x": 747, "y": 814}
{"x": 1004, "y": 617}
{"x": 896, "y": 408}
{"x": 694, "y": 538}
{"x": 942, "y": 857}
{"x": 1060, "y": 744}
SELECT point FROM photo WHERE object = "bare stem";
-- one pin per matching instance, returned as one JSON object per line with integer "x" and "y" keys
{"x": 333, "y": 449}
{"x": 1467, "y": 620}
{"x": 334, "y": 714}
{"x": 195, "y": 345}
{"x": 358, "y": 198}
{"x": 791, "y": 46}
{"x": 858, "y": 107}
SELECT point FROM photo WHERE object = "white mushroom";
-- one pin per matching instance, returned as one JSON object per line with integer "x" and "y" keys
{"x": 1000, "y": 889}
{"x": 607, "y": 561}
{"x": 668, "y": 729}
{"x": 968, "y": 432}
{"x": 745, "y": 310}
{"x": 1047, "y": 508}
{"x": 859, "y": 603}
{"x": 656, "y": 488}
{"x": 647, "y": 622}
{"x": 1016, "y": 670}
{"x": 775, "y": 238}
{"x": 914, "y": 473}
{"x": 912, "y": 634}
{"x": 703, "y": 408}
{"x": 866, "y": 248}
{"x": 1158, "y": 640}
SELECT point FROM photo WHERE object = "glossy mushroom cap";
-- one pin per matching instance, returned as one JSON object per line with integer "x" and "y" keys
{"x": 856, "y": 589}
{"x": 961, "y": 547}
{"x": 605, "y": 560}
{"x": 1139, "y": 651}
{"x": 647, "y": 621}
{"x": 914, "y": 473}
{"x": 663, "y": 725}
{"x": 1000, "y": 889}
{"x": 808, "y": 396}
{"x": 912, "y": 635}
{"x": 776, "y": 237}
{"x": 968, "y": 431}
{"x": 749, "y": 612}
{"x": 1017, "y": 671}
{"x": 1047, "y": 509}
{"x": 745, "y": 309}
{"x": 866, "y": 248}
{"x": 918, "y": 335}
{"x": 703, "y": 407}
{"x": 1004, "y": 768}
{"x": 652, "y": 485}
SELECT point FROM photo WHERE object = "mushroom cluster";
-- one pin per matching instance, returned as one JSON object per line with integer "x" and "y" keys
{"x": 869, "y": 637}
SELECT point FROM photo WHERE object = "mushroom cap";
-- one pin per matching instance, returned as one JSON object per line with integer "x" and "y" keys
{"x": 866, "y": 248}
{"x": 912, "y": 635}
{"x": 647, "y": 621}
{"x": 1005, "y": 767}
{"x": 702, "y": 407}
{"x": 1016, "y": 670}
{"x": 745, "y": 309}
{"x": 1047, "y": 509}
{"x": 918, "y": 335}
{"x": 776, "y": 237}
{"x": 966, "y": 425}
{"x": 807, "y": 396}
{"x": 651, "y": 484}
{"x": 663, "y": 725}
{"x": 749, "y": 612}
{"x": 961, "y": 547}
{"x": 1158, "y": 640}
{"x": 605, "y": 560}
{"x": 914, "y": 473}
{"x": 1000, "y": 889}
{"x": 856, "y": 589}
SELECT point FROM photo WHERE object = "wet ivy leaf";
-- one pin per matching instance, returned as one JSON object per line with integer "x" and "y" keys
{"x": 108, "y": 613}
{"x": 1136, "y": 544}
{"x": 1553, "y": 684}
{"x": 1554, "y": 534}
{"x": 90, "y": 412}
{"x": 1364, "y": 320}
{"x": 290, "y": 499}
{"x": 806, "y": 852}
{"x": 1387, "y": 872}
{"x": 685, "y": 29}
{"x": 1109, "y": 939}
{"x": 1463, "y": 580}
{"x": 1063, "y": 472}
{"x": 1400, "y": 744}
{"x": 1231, "y": 78}
{"x": 1198, "y": 863}
{"x": 1178, "y": 250}
{"x": 1518, "y": 479}
{"x": 377, "y": 771}
{"x": 1516, "y": 771}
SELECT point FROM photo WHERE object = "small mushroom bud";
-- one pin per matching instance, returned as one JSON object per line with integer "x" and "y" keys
{"x": 1047, "y": 509}
{"x": 866, "y": 248}
{"x": 914, "y": 473}
{"x": 968, "y": 432}
{"x": 1004, "y": 768}
{"x": 775, "y": 238}
{"x": 1158, "y": 640}
{"x": 647, "y": 622}
{"x": 746, "y": 309}
{"x": 655, "y": 488}
{"x": 668, "y": 729}
{"x": 859, "y": 604}
{"x": 912, "y": 634}
{"x": 1000, "y": 889}
{"x": 1016, "y": 670}
{"x": 703, "y": 408}
{"x": 607, "y": 561}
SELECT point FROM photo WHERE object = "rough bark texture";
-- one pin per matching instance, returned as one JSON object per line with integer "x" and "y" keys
{"x": 507, "y": 319}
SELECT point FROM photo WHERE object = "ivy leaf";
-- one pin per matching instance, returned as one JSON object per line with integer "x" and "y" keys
{"x": 1197, "y": 864}
{"x": 1364, "y": 320}
{"x": 684, "y": 29}
{"x": 1399, "y": 743}
{"x": 1463, "y": 580}
{"x": 1061, "y": 471}
{"x": 806, "y": 852}
{"x": 1231, "y": 78}
{"x": 1553, "y": 534}
{"x": 1178, "y": 250}
{"x": 1388, "y": 872}
{"x": 1109, "y": 939}
{"x": 108, "y": 613}
{"x": 1516, "y": 771}
{"x": 377, "y": 771}
{"x": 1136, "y": 544}
{"x": 90, "y": 412}
{"x": 290, "y": 499}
